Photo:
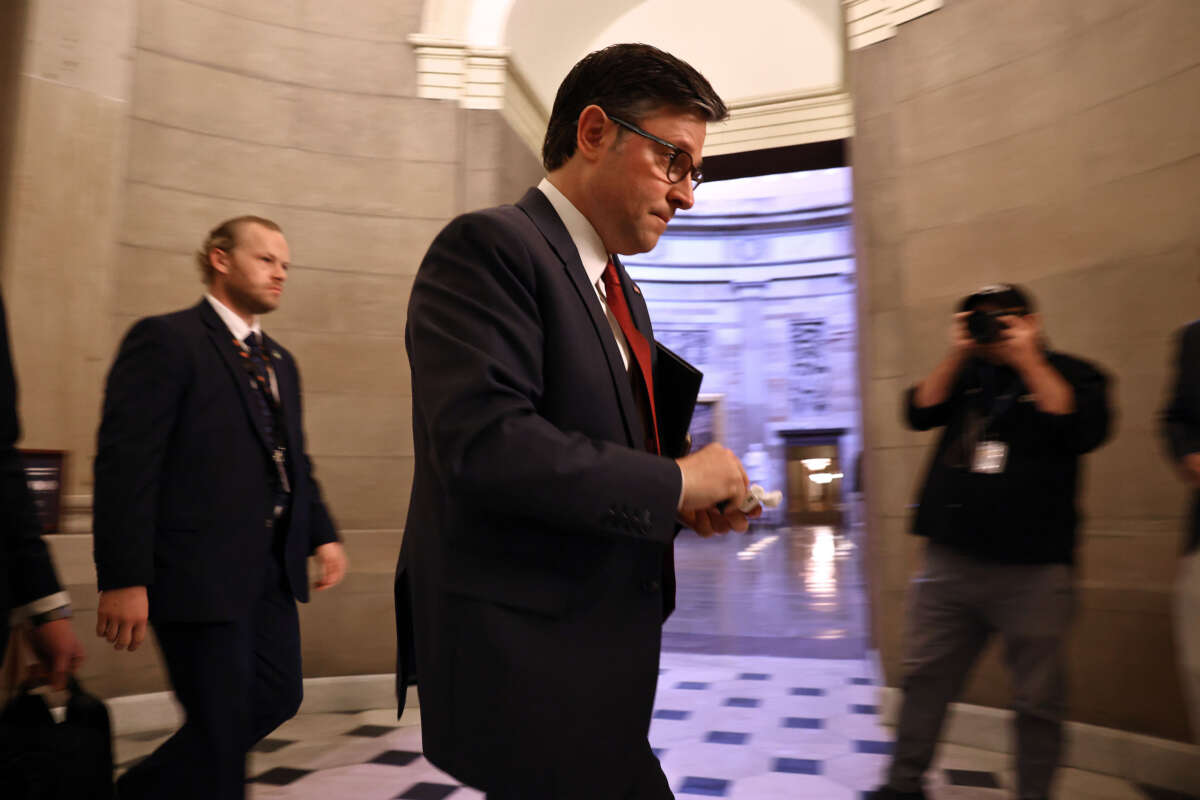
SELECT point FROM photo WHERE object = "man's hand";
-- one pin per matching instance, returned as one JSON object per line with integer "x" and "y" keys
{"x": 962, "y": 343}
{"x": 1019, "y": 344}
{"x": 59, "y": 652}
{"x": 121, "y": 617}
{"x": 935, "y": 389}
{"x": 331, "y": 559}
{"x": 711, "y": 477}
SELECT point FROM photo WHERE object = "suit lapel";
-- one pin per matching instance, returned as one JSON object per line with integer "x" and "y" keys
{"x": 222, "y": 339}
{"x": 542, "y": 213}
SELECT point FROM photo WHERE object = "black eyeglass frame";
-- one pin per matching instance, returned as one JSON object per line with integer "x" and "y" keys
{"x": 696, "y": 174}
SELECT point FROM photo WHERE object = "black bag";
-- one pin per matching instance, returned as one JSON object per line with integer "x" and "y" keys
{"x": 41, "y": 759}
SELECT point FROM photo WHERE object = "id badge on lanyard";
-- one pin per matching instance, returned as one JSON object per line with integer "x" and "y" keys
{"x": 990, "y": 457}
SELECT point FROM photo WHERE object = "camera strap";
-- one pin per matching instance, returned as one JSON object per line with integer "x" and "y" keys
{"x": 975, "y": 451}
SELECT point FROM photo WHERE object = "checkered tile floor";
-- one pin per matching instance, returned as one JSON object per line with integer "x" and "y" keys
{"x": 747, "y": 728}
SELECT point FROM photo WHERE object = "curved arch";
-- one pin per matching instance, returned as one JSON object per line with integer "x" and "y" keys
{"x": 778, "y": 63}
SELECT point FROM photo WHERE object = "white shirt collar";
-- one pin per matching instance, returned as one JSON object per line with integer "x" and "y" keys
{"x": 589, "y": 244}
{"x": 237, "y": 326}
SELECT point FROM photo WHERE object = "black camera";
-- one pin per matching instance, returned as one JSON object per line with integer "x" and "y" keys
{"x": 985, "y": 327}
{"x": 988, "y": 305}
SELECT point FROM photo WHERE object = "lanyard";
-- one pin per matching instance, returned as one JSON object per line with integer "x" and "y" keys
{"x": 976, "y": 421}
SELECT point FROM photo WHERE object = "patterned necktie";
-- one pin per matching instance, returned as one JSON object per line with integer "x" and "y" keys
{"x": 638, "y": 346}
{"x": 253, "y": 352}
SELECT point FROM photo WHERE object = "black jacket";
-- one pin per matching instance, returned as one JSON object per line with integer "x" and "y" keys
{"x": 1181, "y": 417}
{"x": 537, "y": 554}
{"x": 26, "y": 572}
{"x": 1027, "y": 513}
{"x": 184, "y": 484}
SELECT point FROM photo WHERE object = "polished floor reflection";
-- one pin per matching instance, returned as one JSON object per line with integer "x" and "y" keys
{"x": 793, "y": 591}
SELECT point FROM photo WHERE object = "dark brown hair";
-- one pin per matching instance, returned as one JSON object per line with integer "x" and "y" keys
{"x": 629, "y": 81}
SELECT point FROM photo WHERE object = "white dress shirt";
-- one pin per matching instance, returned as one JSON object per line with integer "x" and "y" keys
{"x": 591, "y": 253}
{"x": 595, "y": 258}
{"x": 237, "y": 326}
{"x": 240, "y": 330}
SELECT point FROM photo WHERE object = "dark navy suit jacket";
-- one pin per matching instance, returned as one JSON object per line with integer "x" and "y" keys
{"x": 184, "y": 497}
{"x": 536, "y": 566}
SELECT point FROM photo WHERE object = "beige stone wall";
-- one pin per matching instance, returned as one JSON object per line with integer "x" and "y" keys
{"x": 12, "y": 35}
{"x": 1056, "y": 145}
{"x": 302, "y": 112}
{"x": 68, "y": 134}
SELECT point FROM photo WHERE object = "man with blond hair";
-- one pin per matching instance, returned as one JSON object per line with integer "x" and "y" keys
{"x": 206, "y": 511}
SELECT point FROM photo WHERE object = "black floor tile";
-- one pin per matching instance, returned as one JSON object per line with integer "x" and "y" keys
{"x": 873, "y": 747}
{"x": 280, "y": 776}
{"x": 395, "y": 758}
{"x": 797, "y": 766}
{"x": 860, "y": 681}
{"x": 691, "y": 685}
{"x": 671, "y": 713}
{"x": 742, "y": 702}
{"x": 862, "y": 708}
{"x": 709, "y": 787}
{"x": 754, "y": 676}
{"x": 271, "y": 745}
{"x": 971, "y": 777}
{"x": 371, "y": 731}
{"x": 804, "y": 692}
{"x": 808, "y": 723}
{"x": 428, "y": 791}
{"x": 726, "y": 737}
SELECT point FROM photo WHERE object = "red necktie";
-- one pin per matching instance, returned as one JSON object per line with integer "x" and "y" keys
{"x": 638, "y": 345}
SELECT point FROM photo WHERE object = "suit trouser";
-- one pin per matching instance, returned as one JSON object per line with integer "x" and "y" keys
{"x": 1187, "y": 629}
{"x": 237, "y": 681}
{"x": 957, "y": 602}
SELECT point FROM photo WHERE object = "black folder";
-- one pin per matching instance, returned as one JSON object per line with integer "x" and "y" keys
{"x": 676, "y": 387}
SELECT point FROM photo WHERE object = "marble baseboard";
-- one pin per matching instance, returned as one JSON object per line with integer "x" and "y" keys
{"x": 1135, "y": 757}
{"x": 159, "y": 711}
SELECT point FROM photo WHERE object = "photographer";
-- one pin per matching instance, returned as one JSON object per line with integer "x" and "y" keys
{"x": 998, "y": 506}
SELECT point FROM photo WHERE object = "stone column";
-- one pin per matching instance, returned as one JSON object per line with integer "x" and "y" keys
{"x": 752, "y": 393}
{"x": 58, "y": 238}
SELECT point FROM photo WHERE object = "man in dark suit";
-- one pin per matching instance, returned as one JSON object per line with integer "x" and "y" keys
{"x": 28, "y": 584}
{"x": 537, "y": 554}
{"x": 205, "y": 513}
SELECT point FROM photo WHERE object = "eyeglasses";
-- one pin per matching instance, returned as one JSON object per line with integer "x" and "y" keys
{"x": 680, "y": 166}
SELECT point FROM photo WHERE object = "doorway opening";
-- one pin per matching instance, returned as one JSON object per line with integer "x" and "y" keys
{"x": 755, "y": 285}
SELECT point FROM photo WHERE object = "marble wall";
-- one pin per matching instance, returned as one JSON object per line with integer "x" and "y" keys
{"x": 140, "y": 126}
{"x": 1056, "y": 145}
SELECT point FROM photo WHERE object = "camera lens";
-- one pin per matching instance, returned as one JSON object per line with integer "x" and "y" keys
{"x": 984, "y": 326}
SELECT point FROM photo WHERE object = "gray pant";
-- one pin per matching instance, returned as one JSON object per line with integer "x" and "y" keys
{"x": 957, "y": 602}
